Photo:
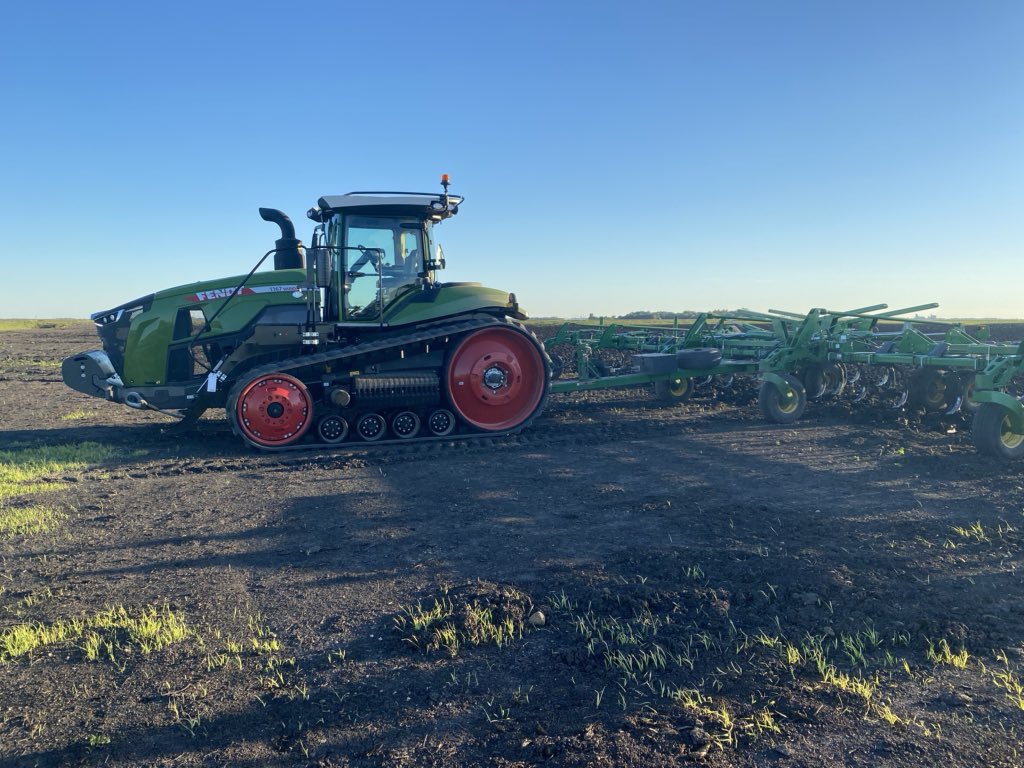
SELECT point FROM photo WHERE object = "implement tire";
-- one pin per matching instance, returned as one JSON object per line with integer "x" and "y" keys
{"x": 674, "y": 390}
{"x": 933, "y": 390}
{"x": 778, "y": 408}
{"x": 993, "y": 435}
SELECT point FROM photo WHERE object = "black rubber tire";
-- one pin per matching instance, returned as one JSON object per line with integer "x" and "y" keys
{"x": 776, "y": 408}
{"x": 674, "y": 390}
{"x": 966, "y": 390}
{"x": 700, "y": 358}
{"x": 932, "y": 390}
{"x": 993, "y": 435}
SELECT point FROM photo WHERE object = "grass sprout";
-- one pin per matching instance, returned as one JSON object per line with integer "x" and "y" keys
{"x": 941, "y": 653}
{"x": 445, "y": 624}
{"x": 108, "y": 633}
{"x": 25, "y": 521}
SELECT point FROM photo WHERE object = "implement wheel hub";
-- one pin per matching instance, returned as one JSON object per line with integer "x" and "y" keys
{"x": 274, "y": 410}
{"x": 496, "y": 378}
{"x": 1007, "y": 436}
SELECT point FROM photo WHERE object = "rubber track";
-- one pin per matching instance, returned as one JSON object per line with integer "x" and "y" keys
{"x": 295, "y": 365}
{"x": 545, "y": 434}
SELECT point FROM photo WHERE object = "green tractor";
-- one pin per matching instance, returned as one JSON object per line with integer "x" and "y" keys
{"x": 353, "y": 338}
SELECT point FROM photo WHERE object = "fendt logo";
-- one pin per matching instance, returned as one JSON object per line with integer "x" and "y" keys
{"x": 222, "y": 293}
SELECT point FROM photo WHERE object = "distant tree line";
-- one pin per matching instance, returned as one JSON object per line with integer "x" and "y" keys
{"x": 646, "y": 315}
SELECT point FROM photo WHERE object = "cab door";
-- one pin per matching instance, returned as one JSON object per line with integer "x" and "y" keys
{"x": 383, "y": 260}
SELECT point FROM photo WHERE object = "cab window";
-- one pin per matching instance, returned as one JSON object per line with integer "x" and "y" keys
{"x": 383, "y": 259}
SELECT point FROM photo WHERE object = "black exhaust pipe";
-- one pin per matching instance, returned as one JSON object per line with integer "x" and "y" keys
{"x": 289, "y": 251}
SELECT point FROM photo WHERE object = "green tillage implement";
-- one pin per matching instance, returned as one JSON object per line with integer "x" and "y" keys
{"x": 815, "y": 356}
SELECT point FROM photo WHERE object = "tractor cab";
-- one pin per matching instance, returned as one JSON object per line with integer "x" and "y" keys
{"x": 371, "y": 250}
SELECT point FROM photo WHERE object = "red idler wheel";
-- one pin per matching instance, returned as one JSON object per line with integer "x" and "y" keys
{"x": 274, "y": 410}
{"x": 496, "y": 378}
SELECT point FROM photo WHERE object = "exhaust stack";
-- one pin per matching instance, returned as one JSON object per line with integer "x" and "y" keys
{"x": 290, "y": 252}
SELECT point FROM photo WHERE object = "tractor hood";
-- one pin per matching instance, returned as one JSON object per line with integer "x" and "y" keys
{"x": 447, "y": 299}
{"x": 282, "y": 281}
{"x": 136, "y": 335}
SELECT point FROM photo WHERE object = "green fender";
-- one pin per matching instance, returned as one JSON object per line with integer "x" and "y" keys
{"x": 780, "y": 383}
{"x": 1013, "y": 407}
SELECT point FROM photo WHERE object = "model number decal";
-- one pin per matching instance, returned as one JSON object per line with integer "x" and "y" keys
{"x": 222, "y": 293}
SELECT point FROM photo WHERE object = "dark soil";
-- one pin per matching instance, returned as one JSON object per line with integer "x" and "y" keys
{"x": 714, "y": 590}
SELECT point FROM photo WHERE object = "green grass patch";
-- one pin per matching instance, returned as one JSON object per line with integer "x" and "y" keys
{"x": 25, "y": 521}
{"x": 653, "y": 661}
{"x": 451, "y": 622}
{"x": 23, "y": 365}
{"x": 942, "y": 653}
{"x": 77, "y": 415}
{"x": 109, "y": 634}
{"x": 23, "y": 471}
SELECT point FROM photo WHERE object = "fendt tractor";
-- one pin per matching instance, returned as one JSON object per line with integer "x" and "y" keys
{"x": 353, "y": 338}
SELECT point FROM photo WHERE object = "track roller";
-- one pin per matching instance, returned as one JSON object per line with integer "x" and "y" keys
{"x": 371, "y": 426}
{"x": 405, "y": 425}
{"x": 441, "y": 422}
{"x": 332, "y": 428}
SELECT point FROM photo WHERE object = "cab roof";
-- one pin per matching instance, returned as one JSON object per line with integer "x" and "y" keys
{"x": 423, "y": 204}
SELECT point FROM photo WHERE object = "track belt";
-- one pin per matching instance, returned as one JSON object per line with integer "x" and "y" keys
{"x": 349, "y": 355}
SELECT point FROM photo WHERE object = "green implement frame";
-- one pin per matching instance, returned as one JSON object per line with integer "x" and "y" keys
{"x": 870, "y": 353}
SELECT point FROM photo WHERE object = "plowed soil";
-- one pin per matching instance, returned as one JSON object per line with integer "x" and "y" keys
{"x": 627, "y": 583}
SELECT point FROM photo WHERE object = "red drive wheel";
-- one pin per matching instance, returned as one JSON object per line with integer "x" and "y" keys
{"x": 274, "y": 410}
{"x": 496, "y": 378}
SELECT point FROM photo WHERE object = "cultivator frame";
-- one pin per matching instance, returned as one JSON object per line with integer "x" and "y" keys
{"x": 814, "y": 356}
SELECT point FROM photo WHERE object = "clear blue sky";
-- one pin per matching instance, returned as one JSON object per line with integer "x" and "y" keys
{"x": 614, "y": 156}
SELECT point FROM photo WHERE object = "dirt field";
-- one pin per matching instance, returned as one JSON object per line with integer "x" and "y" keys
{"x": 625, "y": 584}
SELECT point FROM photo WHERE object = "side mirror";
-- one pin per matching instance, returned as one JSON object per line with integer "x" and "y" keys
{"x": 438, "y": 261}
{"x": 322, "y": 264}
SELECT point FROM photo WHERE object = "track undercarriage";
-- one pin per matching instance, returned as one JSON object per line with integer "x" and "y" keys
{"x": 477, "y": 375}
